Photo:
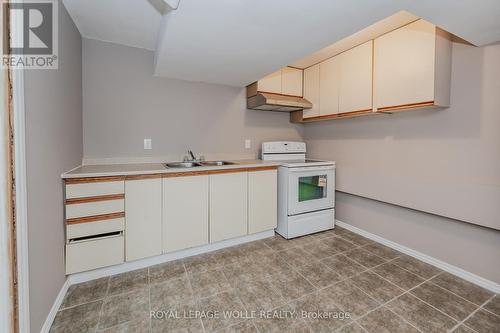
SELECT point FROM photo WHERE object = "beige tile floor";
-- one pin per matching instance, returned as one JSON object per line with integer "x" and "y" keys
{"x": 333, "y": 272}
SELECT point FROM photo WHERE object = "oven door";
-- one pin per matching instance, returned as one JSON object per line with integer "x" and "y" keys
{"x": 311, "y": 189}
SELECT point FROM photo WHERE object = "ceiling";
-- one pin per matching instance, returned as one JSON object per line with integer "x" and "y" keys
{"x": 235, "y": 42}
{"x": 127, "y": 22}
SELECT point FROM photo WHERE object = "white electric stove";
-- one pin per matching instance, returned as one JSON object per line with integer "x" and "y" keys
{"x": 306, "y": 189}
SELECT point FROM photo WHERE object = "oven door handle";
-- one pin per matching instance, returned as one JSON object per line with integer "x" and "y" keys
{"x": 312, "y": 169}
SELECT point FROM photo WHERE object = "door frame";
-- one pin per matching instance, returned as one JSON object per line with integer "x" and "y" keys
{"x": 20, "y": 199}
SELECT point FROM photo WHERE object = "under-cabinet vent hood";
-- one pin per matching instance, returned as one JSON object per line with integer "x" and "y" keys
{"x": 277, "y": 102}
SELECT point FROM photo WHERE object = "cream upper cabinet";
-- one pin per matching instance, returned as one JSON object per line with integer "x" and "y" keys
{"x": 355, "y": 90}
{"x": 412, "y": 66}
{"x": 311, "y": 90}
{"x": 291, "y": 81}
{"x": 143, "y": 223}
{"x": 286, "y": 81}
{"x": 270, "y": 83}
{"x": 262, "y": 200}
{"x": 228, "y": 205}
{"x": 185, "y": 212}
{"x": 329, "y": 72}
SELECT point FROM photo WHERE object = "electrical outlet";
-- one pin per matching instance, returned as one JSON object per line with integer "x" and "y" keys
{"x": 147, "y": 144}
{"x": 248, "y": 144}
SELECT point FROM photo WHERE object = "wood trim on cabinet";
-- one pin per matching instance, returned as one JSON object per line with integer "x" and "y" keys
{"x": 405, "y": 106}
{"x": 184, "y": 174}
{"x": 267, "y": 92}
{"x": 351, "y": 114}
{"x": 95, "y": 218}
{"x": 252, "y": 89}
{"x": 263, "y": 168}
{"x": 219, "y": 171}
{"x": 141, "y": 177}
{"x": 74, "y": 201}
{"x": 93, "y": 180}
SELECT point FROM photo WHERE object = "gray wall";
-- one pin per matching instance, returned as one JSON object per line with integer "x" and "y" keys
{"x": 445, "y": 161}
{"x": 428, "y": 160}
{"x": 53, "y": 102}
{"x": 123, "y": 103}
{"x": 471, "y": 247}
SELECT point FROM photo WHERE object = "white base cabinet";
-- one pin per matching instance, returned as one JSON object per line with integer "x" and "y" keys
{"x": 228, "y": 205}
{"x": 165, "y": 213}
{"x": 94, "y": 253}
{"x": 262, "y": 200}
{"x": 143, "y": 218}
{"x": 185, "y": 212}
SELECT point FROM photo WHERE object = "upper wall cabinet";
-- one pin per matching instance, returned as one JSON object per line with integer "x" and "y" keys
{"x": 412, "y": 67}
{"x": 407, "y": 68}
{"x": 311, "y": 90}
{"x": 355, "y": 88}
{"x": 345, "y": 82}
{"x": 270, "y": 83}
{"x": 291, "y": 81}
{"x": 329, "y": 83}
{"x": 286, "y": 81}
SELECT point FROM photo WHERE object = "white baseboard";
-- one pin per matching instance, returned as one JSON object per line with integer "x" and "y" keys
{"x": 476, "y": 279}
{"x": 55, "y": 307}
{"x": 142, "y": 263}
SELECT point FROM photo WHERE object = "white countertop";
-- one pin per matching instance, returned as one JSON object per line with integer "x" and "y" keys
{"x": 104, "y": 170}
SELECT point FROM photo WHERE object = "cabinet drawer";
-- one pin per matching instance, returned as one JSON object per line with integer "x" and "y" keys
{"x": 94, "y": 208}
{"x": 82, "y": 190}
{"x": 94, "y": 253}
{"x": 94, "y": 228}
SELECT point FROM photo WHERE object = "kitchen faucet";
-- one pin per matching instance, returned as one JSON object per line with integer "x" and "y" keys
{"x": 190, "y": 152}
{"x": 192, "y": 158}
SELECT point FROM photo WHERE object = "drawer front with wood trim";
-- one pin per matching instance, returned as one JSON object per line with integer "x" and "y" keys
{"x": 88, "y": 254}
{"x": 94, "y": 228}
{"x": 91, "y": 208}
{"x": 107, "y": 186}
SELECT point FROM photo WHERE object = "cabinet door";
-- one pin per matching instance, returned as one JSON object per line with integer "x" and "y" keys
{"x": 291, "y": 81}
{"x": 142, "y": 218}
{"x": 311, "y": 90}
{"x": 270, "y": 83}
{"x": 356, "y": 78}
{"x": 329, "y": 74}
{"x": 262, "y": 200}
{"x": 185, "y": 212}
{"x": 404, "y": 65}
{"x": 228, "y": 205}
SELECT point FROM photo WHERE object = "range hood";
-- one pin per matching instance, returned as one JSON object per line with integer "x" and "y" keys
{"x": 276, "y": 102}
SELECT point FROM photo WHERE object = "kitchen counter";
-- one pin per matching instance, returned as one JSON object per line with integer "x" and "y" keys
{"x": 104, "y": 170}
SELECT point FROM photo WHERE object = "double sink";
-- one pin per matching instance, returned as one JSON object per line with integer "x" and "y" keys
{"x": 197, "y": 164}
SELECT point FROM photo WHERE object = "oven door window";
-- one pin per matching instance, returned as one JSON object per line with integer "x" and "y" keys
{"x": 312, "y": 188}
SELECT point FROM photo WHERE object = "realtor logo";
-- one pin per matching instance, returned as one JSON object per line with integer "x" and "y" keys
{"x": 33, "y": 39}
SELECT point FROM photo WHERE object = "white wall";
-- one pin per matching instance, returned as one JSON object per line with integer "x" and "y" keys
{"x": 427, "y": 160}
{"x": 53, "y": 102}
{"x": 123, "y": 103}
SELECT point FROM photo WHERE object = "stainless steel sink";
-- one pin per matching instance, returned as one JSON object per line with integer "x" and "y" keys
{"x": 183, "y": 165}
{"x": 216, "y": 163}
